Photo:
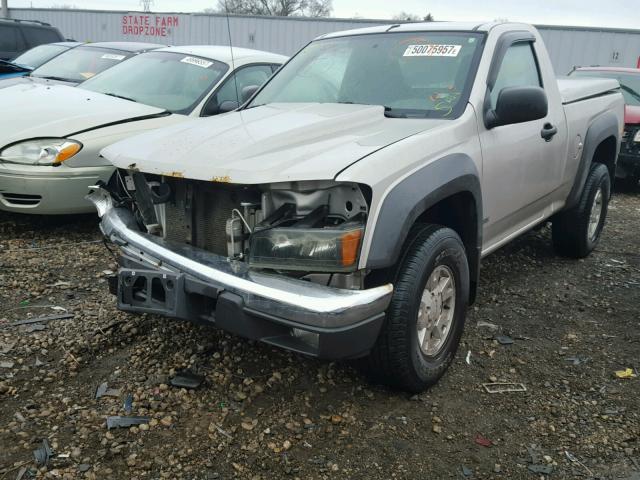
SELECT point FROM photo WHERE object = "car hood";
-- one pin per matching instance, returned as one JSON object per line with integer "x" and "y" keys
{"x": 25, "y": 78}
{"x": 271, "y": 143}
{"x": 631, "y": 114}
{"x": 40, "y": 110}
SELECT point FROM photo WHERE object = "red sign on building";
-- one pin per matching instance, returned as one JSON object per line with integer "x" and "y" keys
{"x": 148, "y": 25}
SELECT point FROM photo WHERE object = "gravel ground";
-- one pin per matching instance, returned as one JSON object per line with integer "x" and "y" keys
{"x": 262, "y": 413}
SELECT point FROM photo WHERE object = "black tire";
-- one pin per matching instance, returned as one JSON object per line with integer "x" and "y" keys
{"x": 570, "y": 229}
{"x": 397, "y": 359}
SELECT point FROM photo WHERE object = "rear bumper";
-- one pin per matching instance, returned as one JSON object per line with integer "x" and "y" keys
{"x": 180, "y": 281}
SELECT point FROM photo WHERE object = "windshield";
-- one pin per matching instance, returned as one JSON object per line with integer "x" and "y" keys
{"x": 38, "y": 55}
{"x": 80, "y": 64}
{"x": 412, "y": 74}
{"x": 173, "y": 81}
{"x": 629, "y": 82}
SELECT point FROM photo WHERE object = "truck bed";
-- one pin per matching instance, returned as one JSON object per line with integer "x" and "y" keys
{"x": 576, "y": 89}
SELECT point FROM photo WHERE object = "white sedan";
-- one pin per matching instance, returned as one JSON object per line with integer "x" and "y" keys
{"x": 51, "y": 135}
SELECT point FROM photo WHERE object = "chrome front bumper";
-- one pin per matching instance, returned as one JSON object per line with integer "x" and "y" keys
{"x": 297, "y": 303}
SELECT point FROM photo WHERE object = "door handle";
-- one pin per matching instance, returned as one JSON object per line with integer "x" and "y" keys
{"x": 548, "y": 131}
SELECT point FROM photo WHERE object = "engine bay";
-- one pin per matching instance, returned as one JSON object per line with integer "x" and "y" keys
{"x": 310, "y": 229}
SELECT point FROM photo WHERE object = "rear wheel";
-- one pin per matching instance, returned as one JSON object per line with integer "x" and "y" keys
{"x": 426, "y": 316}
{"x": 576, "y": 232}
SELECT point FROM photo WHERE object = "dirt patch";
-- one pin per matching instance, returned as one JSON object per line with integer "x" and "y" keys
{"x": 265, "y": 413}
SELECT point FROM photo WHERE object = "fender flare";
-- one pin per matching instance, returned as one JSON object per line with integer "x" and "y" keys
{"x": 414, "y": 195}
{"x": 604, "y": 126}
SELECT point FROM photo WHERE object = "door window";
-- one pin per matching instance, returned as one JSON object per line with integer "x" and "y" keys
{"x": 519, "y": 69}
{"x": 231, "y": 90}
{"x": 38, "y": 36}
{"x": 9, "y": 39}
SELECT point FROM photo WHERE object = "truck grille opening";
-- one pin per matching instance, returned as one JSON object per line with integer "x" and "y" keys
{"x": 198, "y": 211}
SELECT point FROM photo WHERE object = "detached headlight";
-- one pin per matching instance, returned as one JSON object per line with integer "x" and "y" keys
{"x": 636, "y": 137}
{"x": 41, "y": 151}
{"x": 313, "y": 249}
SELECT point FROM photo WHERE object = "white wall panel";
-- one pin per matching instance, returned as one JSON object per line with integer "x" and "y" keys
{"x": 568, "y": 46}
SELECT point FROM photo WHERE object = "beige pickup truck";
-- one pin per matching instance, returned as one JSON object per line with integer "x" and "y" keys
{"x": 343, "y": 211}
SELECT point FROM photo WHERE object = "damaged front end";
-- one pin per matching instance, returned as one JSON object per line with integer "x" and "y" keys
{"x": 276, "y": 263}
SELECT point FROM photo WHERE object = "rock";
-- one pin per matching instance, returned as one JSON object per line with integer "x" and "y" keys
{"x": 166, "y": 421}
{"x": 249, "y": 424}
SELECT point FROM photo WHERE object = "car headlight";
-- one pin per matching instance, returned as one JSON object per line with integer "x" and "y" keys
{"x": 314, "y": 249}
{"x": 41, "y": 151}
{"x": 636, "y": 137}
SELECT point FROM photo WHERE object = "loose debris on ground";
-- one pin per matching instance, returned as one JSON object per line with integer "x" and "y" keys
{"x": 201, "y": 404}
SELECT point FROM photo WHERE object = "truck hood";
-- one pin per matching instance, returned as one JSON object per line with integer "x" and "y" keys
{"x": 39, "y": 110}
{"x": 631, "y": 114}
{"x": 271, "y": 143}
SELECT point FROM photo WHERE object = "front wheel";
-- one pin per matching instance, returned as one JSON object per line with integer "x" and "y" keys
{"x": 576, "y": 232}
{"x": 425, "y": 318}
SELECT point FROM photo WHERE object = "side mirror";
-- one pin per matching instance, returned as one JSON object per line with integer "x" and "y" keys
{"x": 228, "y": 106}
{"x": 517, "y": 105}
{"x": 248, "y": 91}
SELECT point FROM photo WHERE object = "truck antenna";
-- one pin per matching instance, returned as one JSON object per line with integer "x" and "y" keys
{"x": 233, "y": 64}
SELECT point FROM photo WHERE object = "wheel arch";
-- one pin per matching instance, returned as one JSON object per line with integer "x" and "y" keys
{"x": 446, "y": 192}
{"x": 601, "y": 145}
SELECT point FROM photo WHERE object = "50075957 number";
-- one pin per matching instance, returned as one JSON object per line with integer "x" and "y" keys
{"x": 432, "y": 50}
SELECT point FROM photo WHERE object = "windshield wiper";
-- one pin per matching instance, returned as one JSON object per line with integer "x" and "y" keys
{"x": 391, "y": 113}
{"x": 120, "y": 96}
{"x": 630, "y": 91}
{"x": 50, "y": 77}
{"x": 388, "y": 111}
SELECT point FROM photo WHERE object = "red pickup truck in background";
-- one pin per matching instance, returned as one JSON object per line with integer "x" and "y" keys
{"x": 629, "y": 78}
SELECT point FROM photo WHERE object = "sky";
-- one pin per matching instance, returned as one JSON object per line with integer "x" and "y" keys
{"x": 595, "y": 13}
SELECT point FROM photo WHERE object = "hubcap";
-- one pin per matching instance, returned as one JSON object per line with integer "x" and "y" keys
{"x": 596, "y": 213}
{"x": 435, "y": 315}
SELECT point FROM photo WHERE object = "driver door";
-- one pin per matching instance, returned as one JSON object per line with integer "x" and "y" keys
{"x": 520, "y": 167}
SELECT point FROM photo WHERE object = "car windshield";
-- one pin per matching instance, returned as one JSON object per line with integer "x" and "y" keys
{"x": 80, "y": 64}
{"x": 629, "y": 83}
{"x": 411, "y": 74}
{"x": 173, "y": 81}
{"x": 38, "y": 55}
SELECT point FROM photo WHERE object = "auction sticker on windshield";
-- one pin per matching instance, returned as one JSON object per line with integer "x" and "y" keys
{"x": 113, "y": 56}
{"x": 199, "y": 62}
{"x": 432, "y": 51}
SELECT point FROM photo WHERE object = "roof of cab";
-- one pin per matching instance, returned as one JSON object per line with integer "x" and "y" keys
{"x": 126, "y": 46}
{"x": 421, "y": 27}
{"x": 222, "y": 53}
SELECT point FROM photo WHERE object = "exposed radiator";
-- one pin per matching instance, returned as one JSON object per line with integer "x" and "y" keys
{"x": 197, "y": 212}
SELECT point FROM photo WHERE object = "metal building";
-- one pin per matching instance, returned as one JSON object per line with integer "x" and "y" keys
{"x": 568, "y": 46}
